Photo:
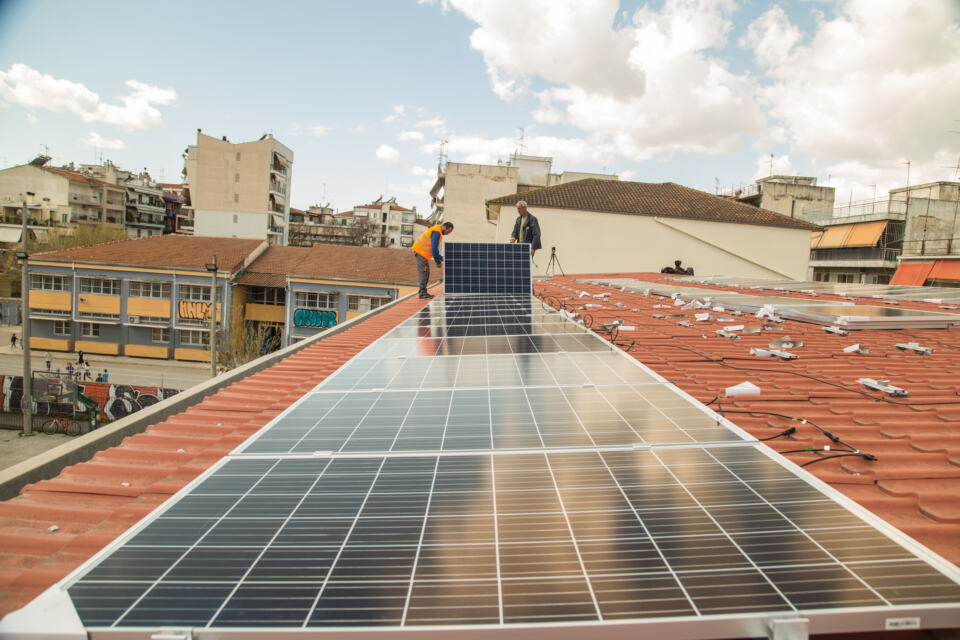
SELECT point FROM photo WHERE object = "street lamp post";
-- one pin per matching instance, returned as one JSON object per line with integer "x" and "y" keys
{"x": 27, "y": 402}
{"x": 212, "y": 268}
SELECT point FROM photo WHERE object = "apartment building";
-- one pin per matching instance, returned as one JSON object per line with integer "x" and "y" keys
{"x": 239, "y": 190}
{"x": 61, "y": 196}
{"x": 462, "y": 189}
{"x": 390, "y": 225}
{"x": 931, "y": 236}
{"x": 860, "y": 242}
{"x": 791, "y": 196}
{"x": 153, "y": 296}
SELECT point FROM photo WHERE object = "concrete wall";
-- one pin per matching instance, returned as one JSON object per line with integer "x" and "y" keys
{"x": 466, "y": 189}
{"x": 230, "y": 224}
{"x": 793, "y": 200}
{"x": 589, "y": 242}
{"x": 932, "y": 227}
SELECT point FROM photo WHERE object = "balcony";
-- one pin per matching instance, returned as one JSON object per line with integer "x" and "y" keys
{"x": 856, "y": 257}
{"x": 84, "y": 198}
{"x": 276, "y": 187}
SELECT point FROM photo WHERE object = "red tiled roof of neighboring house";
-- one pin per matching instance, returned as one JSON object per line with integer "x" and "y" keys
{"x": 76, "y": 176}
{"x": 166, "y": 251}
{"x": 665, "y": 199}
{"x": 333, "y": 261}
{"x": 343, "y": 214}
{"x": 914, "y": 483}
{"x": 293, "y": 210}
{"x": 93, "y": 502}
{"x": 173, "y": 186}
{"x": 422, "y": 221}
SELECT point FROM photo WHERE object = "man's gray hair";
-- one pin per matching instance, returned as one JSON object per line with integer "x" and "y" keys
{"x": 522, "y": 203}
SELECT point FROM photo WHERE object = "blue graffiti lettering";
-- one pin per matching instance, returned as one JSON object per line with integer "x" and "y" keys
{"x": 314, "y": 318}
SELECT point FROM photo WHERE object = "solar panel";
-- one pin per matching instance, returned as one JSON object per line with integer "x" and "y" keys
{"x": 484, "y": 267}
{"x": 506, "y": 493}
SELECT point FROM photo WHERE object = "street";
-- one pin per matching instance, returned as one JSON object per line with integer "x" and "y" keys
{"x": 172, "y": 374}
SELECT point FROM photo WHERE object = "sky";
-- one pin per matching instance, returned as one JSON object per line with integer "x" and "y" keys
{"x": 712, "y": 94}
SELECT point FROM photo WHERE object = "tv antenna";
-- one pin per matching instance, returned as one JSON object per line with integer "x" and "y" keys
{"x": 442, "y": 153}
{"x": 522, "y": 133}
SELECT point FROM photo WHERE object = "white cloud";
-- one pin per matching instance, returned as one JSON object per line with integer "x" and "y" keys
{"x": 438, "y": 126}
{"x": 422, "y": 171}
{"x": 771, "y": 165}
{"x": 360, "y": 128}
{"x": 398, "y": 111}
{"x": 868, "y": 89}
{"x": 97, "y": 141}
{"x": 408, "y": 136}
{"x": 389, "y": 155}
{"x": 316, "y": 130}
{"x": 28, "y": 87}
{"x": 648, "y": 88}
{"x": 32, "y": 118}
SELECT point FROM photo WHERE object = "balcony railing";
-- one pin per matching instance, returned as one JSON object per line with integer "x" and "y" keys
{"x": 859, "y": 253}
{"x": 863, "y": 211}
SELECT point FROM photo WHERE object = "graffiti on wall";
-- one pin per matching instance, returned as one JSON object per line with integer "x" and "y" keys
{"x": 115, "y": 400}
{"x": 193, "y": 310}
{"x": 314, "y": 318}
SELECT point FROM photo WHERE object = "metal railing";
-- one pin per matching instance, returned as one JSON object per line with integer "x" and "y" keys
{"x": 857, "y": 253}
{"x": 862, "y": 211}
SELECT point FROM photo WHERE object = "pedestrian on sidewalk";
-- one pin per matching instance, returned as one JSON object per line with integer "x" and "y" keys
{"x": 49, "y": 360}
{"x": 86, "y": 371}
{"x": 79, "y": 357}
{"x": 105, "y": 375}
{"x": 13, "y": 341}
{"x": 70, "y": 369}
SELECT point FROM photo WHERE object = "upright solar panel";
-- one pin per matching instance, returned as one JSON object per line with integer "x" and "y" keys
{"x": 506, "y": 494}
{"x": 485, "y": 267}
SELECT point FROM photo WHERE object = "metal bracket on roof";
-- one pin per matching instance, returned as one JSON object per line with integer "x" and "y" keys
{"x": 891, "y": 302}
{"x": 685, "y": 323}
{"x": 788, "y": 628}
{"x": 882, "y": 385}
{"x": 837, "y": 330}
{"x": 723, "y": 333}
{"x": 915, "y": 346}
{"x": 658, "y": 316}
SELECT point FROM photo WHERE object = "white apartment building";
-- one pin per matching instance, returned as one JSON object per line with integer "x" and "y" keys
{"x": 239, "y": 190}
{"x": 391, "y": 224}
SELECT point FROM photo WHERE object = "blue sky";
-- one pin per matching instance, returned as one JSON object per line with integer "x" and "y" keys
{"x": 698, "y": 92}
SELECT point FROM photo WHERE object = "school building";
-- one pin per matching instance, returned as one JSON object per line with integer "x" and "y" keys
{"x": 152, "y": 297}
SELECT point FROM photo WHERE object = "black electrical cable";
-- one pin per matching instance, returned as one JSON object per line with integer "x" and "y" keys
{"x": 866, "y": 456}
{"x": 785, "y": 432}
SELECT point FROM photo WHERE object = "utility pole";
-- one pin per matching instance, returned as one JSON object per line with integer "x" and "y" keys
{"x": 212, "y": 268}
{"x": 27, "y": 401}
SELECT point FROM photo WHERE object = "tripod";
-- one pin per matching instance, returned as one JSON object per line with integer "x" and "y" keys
{"x": 553, "y": 264}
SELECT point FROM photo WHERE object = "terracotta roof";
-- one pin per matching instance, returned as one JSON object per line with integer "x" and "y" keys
{"x": 665, "y": 199}
{"x": 334, "y": 261}
{"x": 76, "y": 176}
{"x": 915, "y": 482}
{"x": 379, "y": 207}
{"x": 166, "y": 251}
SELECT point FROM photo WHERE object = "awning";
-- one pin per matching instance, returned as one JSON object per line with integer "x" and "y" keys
{"x": 8, "y": 234}
{"x": 815, "y": 237}
{"x": 912, "y": 273}
{"x": 835, "y": 237}
{"x": 945, "y": 270}
{"x": 866, "y": 234}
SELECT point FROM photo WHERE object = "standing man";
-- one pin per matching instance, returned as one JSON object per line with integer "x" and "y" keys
{"x": 526, "y": 228}
{"x": 427, "y": 247}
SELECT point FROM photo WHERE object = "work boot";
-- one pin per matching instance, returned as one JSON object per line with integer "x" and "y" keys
{"x": 425, "y": 296}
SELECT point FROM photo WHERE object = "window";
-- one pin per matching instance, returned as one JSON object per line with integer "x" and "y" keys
{"x": 61, "y": 327}
{"x": 103, "y": 286}
{"x": 197, "y": 293}
{"x": 236, "y": 198}
{"x": 266, "y": 295}
{"x": 160, "y": 334}
{"x": 193, "y": 337}
{"x": 316, "y": 300}
{"x": 238, "y": 155}
{"x": 89, "y": 330}
{"x": 365, "y": 303}
{"x": 235, "y": 217}
{"x": 149, "y": 289}
{"x": 845, "y": 277}
{"x": 49, "y": 283}
{"x": 236, "y": 177}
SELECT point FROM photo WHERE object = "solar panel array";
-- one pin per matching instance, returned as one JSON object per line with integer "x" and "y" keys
{"x": 486, "y": 267}
{"x": 519, "y": 474}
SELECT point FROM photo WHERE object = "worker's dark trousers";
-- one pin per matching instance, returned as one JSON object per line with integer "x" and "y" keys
{"x": 423, "y": 272}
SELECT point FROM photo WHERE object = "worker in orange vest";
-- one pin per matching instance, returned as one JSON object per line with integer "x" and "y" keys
{"x": 427, "y": 247}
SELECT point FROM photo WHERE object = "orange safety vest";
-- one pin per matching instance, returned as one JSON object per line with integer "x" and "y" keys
{"x": 423, "y": 245}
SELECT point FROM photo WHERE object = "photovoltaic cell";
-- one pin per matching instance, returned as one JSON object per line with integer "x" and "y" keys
{"x": 483, "y": 267}
{"x": 504, "y": 480}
